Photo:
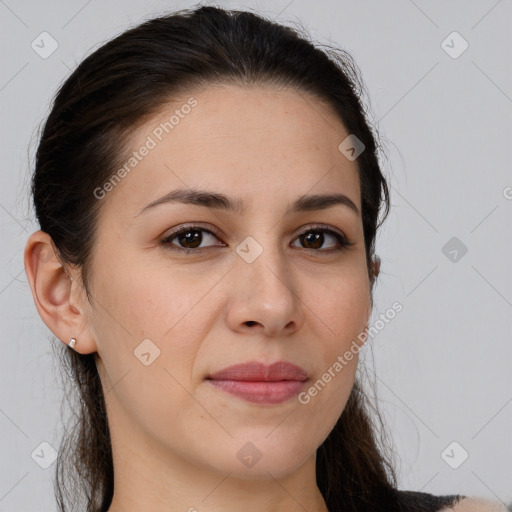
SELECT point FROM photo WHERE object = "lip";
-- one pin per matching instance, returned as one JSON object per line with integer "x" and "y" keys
{"x": 260, "y": 383}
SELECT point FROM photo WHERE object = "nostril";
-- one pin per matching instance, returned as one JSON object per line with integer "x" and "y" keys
{"x": 250, "y": 323}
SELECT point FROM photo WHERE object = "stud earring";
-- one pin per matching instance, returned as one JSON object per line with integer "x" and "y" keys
{"x": 72, "y": 343}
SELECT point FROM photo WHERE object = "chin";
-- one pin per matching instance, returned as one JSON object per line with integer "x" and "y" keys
{"x": 260, "y": 458}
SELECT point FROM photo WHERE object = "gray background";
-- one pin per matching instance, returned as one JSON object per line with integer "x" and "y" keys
{"x": 443, "y": 364}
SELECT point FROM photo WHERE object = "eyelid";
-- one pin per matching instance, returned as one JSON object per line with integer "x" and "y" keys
{"x": 192, "y": 226}
{"x": 326, "y": 227}
{"x": 215, "y": 231}
{"x": 344, "y": 241}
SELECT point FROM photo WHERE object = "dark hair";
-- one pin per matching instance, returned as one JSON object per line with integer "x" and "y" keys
{"x": 85, "y": 137}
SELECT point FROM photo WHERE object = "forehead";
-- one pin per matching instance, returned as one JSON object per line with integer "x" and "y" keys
{"x": 261, "y": 142}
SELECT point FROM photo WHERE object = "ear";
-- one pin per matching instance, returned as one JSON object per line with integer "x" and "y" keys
{"x": 58, "y": 294}
{"x": 374, "y": 272}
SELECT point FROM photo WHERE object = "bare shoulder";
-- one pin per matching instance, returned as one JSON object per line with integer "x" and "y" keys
{"x": 475, "y": 504}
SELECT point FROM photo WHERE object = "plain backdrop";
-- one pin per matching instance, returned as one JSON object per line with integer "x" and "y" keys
{"x": 439, "y": 80}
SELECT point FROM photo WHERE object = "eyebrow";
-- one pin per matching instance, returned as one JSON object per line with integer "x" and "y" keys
{"x": 220, "y": 201}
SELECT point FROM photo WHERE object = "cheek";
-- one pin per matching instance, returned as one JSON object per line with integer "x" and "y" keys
{"x": 342, "y": 306}
{"x": 344, "y": 316}
{"x": 168, "y": 309}
{"x": 146, "y": 302}
{"x": 147, "y": 347}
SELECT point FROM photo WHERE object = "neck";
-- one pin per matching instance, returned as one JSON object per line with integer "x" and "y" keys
{"x": 151, "y": 480}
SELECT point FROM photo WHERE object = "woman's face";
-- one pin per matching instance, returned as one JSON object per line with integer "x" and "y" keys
{"x": 250, "y": 289}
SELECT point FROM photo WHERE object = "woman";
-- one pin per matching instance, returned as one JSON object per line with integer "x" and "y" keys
{"x": 208, "y": 192}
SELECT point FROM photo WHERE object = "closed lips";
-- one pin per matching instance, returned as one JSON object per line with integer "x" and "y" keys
{"x": 261, "y": 384}
{"x": 255, "y": 371}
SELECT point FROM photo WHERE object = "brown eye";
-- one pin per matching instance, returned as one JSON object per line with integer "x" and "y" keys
{"x": 314, "y": 238}
{"x": 191, "y": 236}
{"x": 188, "y": 238}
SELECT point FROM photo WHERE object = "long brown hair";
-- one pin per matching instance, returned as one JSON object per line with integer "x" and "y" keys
{"x": 85, "y": 136}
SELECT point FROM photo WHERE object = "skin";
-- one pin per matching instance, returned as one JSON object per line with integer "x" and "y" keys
{"x": 175, "y": 438}
{"x": 477, "y": 504}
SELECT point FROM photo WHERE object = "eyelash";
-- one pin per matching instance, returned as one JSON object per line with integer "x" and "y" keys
{"x": 342, "y": 240}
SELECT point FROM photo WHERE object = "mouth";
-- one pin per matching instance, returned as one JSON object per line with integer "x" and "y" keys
{"x": 259, "y": 383}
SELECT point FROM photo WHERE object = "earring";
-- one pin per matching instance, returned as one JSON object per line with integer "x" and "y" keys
{"x": 72, "y": 343}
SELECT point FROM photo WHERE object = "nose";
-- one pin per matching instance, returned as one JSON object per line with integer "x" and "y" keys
{"x": 264, "y": 296}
